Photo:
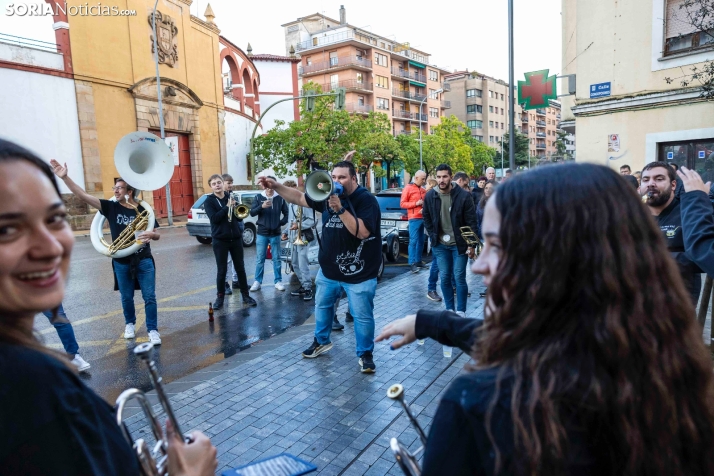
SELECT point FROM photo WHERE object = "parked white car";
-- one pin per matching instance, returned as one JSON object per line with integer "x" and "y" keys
{"x": 198, "y": 224}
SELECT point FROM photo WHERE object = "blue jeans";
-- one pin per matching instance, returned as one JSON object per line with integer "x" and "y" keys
{"x": 64, "y": 331}
{"x": 146, "y": 274}
{"x": 360, "y": 298}
{"x": 261, "y": 243}
{"x": 416, "y": 239}
{"x": 433, "y": 273}
{"x": 453, "y": 272}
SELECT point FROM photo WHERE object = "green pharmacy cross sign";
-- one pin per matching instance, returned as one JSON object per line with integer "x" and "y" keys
{"x": 536, "y": 91}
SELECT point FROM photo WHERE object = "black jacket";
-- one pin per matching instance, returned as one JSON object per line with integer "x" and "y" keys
{"x": 463, "y": 213}
{"x": 458, "y": 443}
{"x": 476, "y": 194}
{"x": 217, "y": 211}
{"x": 698, "y": 229}
{"x": 269, "y": 221}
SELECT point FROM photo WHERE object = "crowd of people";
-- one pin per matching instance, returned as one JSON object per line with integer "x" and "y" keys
{"x": 588, "y": 358}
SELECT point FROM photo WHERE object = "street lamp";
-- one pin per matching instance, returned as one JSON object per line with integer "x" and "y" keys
{"x": 421, "y": 103}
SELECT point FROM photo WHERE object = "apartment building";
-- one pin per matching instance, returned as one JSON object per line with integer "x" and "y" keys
{"x": 379, "y": 73}
{"x": 542, "y": 126}
{"x": 624, "y": 110}
{"x": 480, "y": 102}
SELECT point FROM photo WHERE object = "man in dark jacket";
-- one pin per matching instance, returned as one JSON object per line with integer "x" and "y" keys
{"x": 447, "y": 208}
{"x": 272, "y": 213}
{"x": 697, "y": 220}
{"x": 227, "y": 238}
{"x": 659, "y": 184}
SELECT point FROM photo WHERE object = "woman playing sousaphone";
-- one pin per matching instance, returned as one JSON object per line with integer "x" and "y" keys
{"x": 589, "y": 360}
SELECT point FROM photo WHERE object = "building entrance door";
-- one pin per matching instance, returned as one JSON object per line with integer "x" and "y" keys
{"x": 181, "y": 182}
{"x": 695, "y": 155}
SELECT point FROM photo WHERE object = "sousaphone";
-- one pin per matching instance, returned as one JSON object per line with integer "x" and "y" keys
{"x": 145, "y": 162}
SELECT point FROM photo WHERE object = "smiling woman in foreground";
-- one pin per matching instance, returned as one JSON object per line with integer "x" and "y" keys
{"x": 589, "y": 360}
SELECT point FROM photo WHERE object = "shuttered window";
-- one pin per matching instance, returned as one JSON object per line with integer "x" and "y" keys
{"x": 681, "y": 33}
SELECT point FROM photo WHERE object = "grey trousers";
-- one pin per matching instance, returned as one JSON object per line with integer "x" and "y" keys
{"x": 301, "y": 265}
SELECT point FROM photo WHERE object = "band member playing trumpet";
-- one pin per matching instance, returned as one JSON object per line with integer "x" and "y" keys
{"x": 52, "y": 422}
{"x": 227, "y": 239}
{"x": 231, "y": 272}
{"x": 137, "y": 271}
{"x": 303, "y": 219}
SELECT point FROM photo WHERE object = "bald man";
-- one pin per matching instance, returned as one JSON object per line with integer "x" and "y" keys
{"x": 413, "y": 201}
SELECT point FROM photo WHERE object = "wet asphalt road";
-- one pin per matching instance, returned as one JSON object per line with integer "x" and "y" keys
{"x": 185, "y": 285}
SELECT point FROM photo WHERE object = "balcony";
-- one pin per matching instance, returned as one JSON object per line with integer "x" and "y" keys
{"x": 524, "y": 131}
{"x": 398, "y": 133}
{"x": 335, "y": 64}
{"x": 540, "y": 146}
{"x": 410, "y": 75}
{"x": 446, "y": 87}
{"x": 358, "y": 108}
{"x": 558, "y": 116}
{"x": 540, "y": 134}
{"x": 349, "y": 84}
{"x": 410, "y": 95}
{"x": 446, "y": 104}
{"x": 540, "y": 112}
{"x": 524, "y": 119}
{"x": 540, "y": 123}
{"x": 399, "y": 114}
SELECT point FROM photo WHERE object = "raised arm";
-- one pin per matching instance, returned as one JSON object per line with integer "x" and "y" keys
{"x": 61, "y": 172}
{"x": 290, "y": 195}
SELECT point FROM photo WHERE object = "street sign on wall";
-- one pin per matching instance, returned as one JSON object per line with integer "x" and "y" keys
{"x": 537, "y": 90}
{"x": 600, "y": 90}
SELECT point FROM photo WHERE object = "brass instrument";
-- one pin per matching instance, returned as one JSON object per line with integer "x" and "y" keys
{"x": 127, "y": 236}
{"x": 471, "y": 239}
{"x": 407, "y": 461}
{"x": 299, "y": 240}
{"x": 153, "y": 462}
{"x": 240, "y": 211}
{"x": 646, "y": 196}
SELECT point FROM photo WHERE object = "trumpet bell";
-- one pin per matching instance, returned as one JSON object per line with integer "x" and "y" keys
{"x": 241, "y": 211}
{"x": 143, "y": 160}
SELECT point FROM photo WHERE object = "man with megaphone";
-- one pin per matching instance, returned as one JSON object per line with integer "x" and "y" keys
{"x": 350, "y": 252}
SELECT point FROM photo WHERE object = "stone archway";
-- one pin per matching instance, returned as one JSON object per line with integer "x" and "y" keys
{"x": 180, "y": 105}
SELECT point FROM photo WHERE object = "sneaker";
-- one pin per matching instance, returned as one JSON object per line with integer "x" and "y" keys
{"x": 218, "y": 303}
{"x": 229, "y": 291}
{"x": 415, "y": 268}
{"x": 248, "y": 300}
{"x": 255, "y": 286}
{"x": 81, "y": 364}
{"x": 421, "y": 341}
{"x": 349, "y": 317}
{"x": 434, "y": 296}
{"x": 421, "y": 264}
{"x": 461, "y": 313}
{"x": 316, "y": 349}
{"x": 336, "y": 326}
{"x": 279, "y": 286}
{"x": 447, "y": 352}
{"x": 308, "y": 295}
{"x": 483, "y": 294}
{"x": 298, "y": 292}
{"x": 154, "y": 337}
{"x": 366, "y": 364}
{"x": 129, "y": 332}
{"x": 236, "y": 285}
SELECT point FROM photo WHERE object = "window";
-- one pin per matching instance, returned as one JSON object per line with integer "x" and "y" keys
{"x": 501, "y": 97}
{"x": 473, "y": 93}
{"x": 474, "y": 124}
{"x": 502, "y": 126}
{"x": 359, "y": 77}
{"x": 432, "y": 94}
{"x": 334, "y": 82}
{"x": 502, "y": 111}
{"x": 680, "y": 35}
{"x": 360, "y": 100}
{"x": 490, "y": 94}
{"x": 333, "y": 58}
{"x": 490, "y": 138}
{"x": 490, "y": 123}
{"x": 433, "y": 112}
{"x": 308, "y": 61}
{"x": 490, "y": 108}
{"x": 383, "y": 103}
{"x": 473, "y": 108}
{"x": 382, "y": 82}
{"x": 380, "y": 59}
{"x": 382, "y": 45}
{"x": 479, "y": 138}
{"x": 433, "y": 75}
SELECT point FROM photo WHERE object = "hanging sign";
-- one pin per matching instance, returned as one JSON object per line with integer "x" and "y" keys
{"x": 537, "y": 90}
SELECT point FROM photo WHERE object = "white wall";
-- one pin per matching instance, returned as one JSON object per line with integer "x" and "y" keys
{"x": 39, "y": 112}
{"x": 276, "y": 77}
{"x": 283, "y": 111}
{"x": 31, "y": 56}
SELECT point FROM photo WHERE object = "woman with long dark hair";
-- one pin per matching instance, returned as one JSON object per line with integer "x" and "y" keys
{"x": 52, "y": 423}
{"x": 481, "y": 205}
{"x": 589, "y": 360}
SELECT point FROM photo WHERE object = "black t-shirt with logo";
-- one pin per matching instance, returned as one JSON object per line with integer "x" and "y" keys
{"x": 343, "y": 256}
{"x": 119, "y": 217}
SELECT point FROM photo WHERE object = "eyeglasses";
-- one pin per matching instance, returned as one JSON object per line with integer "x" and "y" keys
{"x": 118, "y": 188}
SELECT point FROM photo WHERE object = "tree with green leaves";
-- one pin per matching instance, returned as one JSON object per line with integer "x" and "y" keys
{"x": 522, "y": 148}
{"x": 447, "y": 144}
{"x": 560, "y": 149}
{"x": 482, "y": 156}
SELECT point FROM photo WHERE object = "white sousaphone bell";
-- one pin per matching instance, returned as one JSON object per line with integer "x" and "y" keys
{"x": 145, "y": 162}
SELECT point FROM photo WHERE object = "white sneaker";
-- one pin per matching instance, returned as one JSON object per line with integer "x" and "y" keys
{"x": 81, "y": 364}
{"x": 461, "y": 313}
{"x": 421, "y": 341}
{"x": 255, "y": 286}
{"x": 129, "y": 332}
{"x": 279, "y": 286}
{"x": 154, "y": 337}
{"x": 447, "y": 352}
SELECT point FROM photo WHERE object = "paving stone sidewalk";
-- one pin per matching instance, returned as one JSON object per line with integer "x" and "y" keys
{"x": 322, "y": 410}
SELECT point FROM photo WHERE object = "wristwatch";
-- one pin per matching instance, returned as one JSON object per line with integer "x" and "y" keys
{"x": 342, "y": 210}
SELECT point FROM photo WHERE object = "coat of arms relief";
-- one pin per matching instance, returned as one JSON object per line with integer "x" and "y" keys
{"x": 166, "y": 31}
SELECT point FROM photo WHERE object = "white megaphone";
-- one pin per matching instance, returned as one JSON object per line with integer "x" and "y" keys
{"x": 319, "y": 186}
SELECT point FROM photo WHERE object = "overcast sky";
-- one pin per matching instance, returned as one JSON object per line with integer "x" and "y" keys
{"x": 458, "y": 34}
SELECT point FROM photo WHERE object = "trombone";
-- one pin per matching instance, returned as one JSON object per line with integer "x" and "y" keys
{"x": 240, "y": 211}
{"x": 471, "y": 239}
{"x": 153, "y": 462}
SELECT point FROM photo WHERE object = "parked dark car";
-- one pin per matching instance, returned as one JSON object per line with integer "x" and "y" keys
{"x": 393, "y": 215}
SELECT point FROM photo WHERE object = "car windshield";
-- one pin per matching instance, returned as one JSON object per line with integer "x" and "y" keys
{"x": 247, "y": 199}
{"x": 389, "y": 203}
{"x": 200, "y": 202}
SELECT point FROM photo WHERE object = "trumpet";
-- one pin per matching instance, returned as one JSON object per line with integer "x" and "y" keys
{"x": 471, "y": 239}
{"x": 153, "y": 462}
{"x": 407, "y": 461}
{"x": 240, "y": 211}
{"x": 646, "y": 196}
{"x": 299, "y": 240}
